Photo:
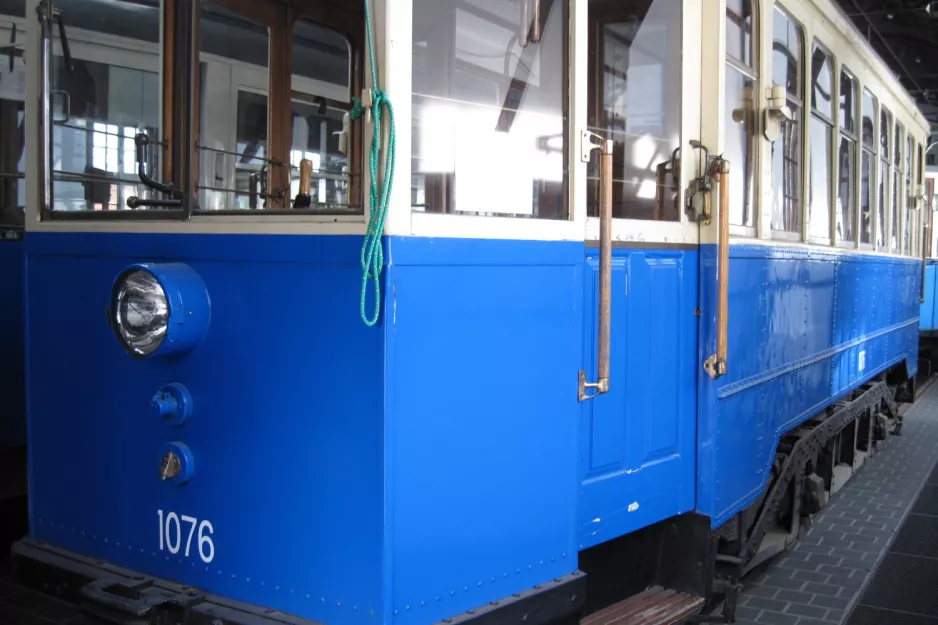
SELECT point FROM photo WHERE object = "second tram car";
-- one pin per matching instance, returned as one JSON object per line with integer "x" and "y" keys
{"x": 647, "y": 293}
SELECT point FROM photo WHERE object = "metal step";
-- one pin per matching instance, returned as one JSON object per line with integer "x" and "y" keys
{"x": 654, "y": 606}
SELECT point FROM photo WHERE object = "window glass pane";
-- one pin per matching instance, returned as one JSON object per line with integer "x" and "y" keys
{"x": 787, "y": 44}
{"x": 322, "y": 55}
{"x": 909, "y": 150}
{"x": 786, "y": 176}
{"x": 897, "y": 146}
{"x": 740, "y": 145}
{"x": 232, "y": 158}
{"x": 848, "y": 102}
{"x": 488, "y": 113}
{"x": 822, "y": 83}
{"x": 885, "y": 127}
{"x": 739, "y": 30}
{"x": 894, "y": 218}
{"x": 635, "y": 99}
{"x": 881, "y": 218}
{"x": 12, "y": 128}
{"x": 909, "y": 201}
{"x": 846, "y": 199}
{"x": 321, "y": 91}
{"x": 111, "y": 94}
{"x": 869, "y": 118}
{"x": 233, "y": 123}
{"x": 787, "y": 55}
{"x": 866, "y": 196}
{"x": 820, "y": 181}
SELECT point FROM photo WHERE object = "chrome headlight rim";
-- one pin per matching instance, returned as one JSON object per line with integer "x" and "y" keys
{"x": 119, "y": 324}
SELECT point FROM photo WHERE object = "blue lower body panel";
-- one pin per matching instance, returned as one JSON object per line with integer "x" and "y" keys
{"x": 285, "y": 506}
{"x": 805, "y": 328}
{"x": 928, "y": 317}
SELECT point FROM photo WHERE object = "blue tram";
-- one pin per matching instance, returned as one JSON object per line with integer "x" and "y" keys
{"x": 634, "y": 307}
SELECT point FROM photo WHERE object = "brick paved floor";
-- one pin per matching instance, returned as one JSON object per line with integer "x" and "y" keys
{"x": 820, "y": 579}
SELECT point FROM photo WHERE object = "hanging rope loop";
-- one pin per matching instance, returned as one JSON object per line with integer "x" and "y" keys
{"x": 372, "y": 256}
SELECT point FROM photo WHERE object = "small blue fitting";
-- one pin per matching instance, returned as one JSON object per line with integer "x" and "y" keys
{"x": 173, "y": 404}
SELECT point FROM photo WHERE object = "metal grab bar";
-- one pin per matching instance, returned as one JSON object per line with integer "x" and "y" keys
{"x": 601, "y": 385}
{"x": 924, "y": 257}
{"x": 715, "y": 366}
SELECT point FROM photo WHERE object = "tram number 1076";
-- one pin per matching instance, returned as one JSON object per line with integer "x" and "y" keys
{"x": 175, "y": 527}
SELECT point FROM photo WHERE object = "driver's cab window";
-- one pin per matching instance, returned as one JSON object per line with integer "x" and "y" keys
{"x": 252, "y": 144}
{"x": 635, "y": 99}
{"x": 104, "y": 94}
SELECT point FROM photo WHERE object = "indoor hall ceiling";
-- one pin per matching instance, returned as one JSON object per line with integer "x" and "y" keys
{"x": 905, "y": 34}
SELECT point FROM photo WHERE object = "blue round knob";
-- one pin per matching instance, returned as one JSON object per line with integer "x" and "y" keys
{"x": 173, "y": 404}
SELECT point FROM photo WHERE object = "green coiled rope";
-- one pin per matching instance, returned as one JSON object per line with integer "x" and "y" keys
{"x": 372, "y": 257}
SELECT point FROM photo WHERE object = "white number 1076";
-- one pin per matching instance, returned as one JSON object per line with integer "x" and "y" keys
{"x": 173, "y": 529}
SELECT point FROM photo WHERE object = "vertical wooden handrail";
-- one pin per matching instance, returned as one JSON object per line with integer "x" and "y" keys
{"x": 605, "y": 277}
{"x": 715, "y": 366}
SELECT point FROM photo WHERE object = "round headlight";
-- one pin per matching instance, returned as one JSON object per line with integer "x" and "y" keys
{"x": 141, "y": 312}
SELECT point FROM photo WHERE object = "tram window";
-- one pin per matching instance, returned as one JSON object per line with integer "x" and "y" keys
{"x": 233, "y": 116}
{"x": 321, "y": 95}
{"x": 488, "y": 107}
{"x": 822, "y": 132}
{"x": 896, "y": 239}
{"x": 787, "y": 62}
{"x": 739, "y": 41}
{"x": 12, "y": 130}
{"x": 867, "y": 169}
{"x": 885, "y": 175}
{"x": 635, "y": 99}
{"x": 847, "y": 160}
{"x": 740, "y": 116}
{"x": 909, "y": 232}
{"x": 111, "y": 93}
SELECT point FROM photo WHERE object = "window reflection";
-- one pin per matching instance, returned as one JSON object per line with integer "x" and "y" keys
{"x": 635, "y": 99}
{"x": 100, "y": 105}
{"x": 12, "y": 128}
{"x": 819, "y": 200}
{"x": 739, "y": 44}
{"x": 787, "y": 55}
{"x": 822, "y": 132}
{"x": 909, "y": 194}
{"x": 739, "y": 114}
{"x": 868, "y": 168}
{"x": 885, "y": 178}
{"x": 488, "y": 113}
{"x": 233, "y": 148}
{"x": 847, "y": 161}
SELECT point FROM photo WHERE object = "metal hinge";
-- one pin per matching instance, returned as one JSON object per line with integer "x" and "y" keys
{"x": 697, "y": 312}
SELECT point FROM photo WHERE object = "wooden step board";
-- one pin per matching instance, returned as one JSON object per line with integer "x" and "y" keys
{"x": 654, "y": 606}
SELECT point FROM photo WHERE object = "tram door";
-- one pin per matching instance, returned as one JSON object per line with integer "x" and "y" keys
{"x": 639, "y": 438}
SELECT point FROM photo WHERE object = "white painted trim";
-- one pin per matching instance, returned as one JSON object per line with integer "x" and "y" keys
{"x": 393, "y": 37}
{"x": 712, "y": 62}
{"x": 486, "y": 227}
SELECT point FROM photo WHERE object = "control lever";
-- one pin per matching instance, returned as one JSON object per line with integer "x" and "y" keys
{"x": 142, "y": 143}
{"x": 66, "y": 50}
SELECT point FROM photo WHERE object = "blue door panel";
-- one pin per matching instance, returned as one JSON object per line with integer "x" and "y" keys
{"x": 638, "y": 439}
